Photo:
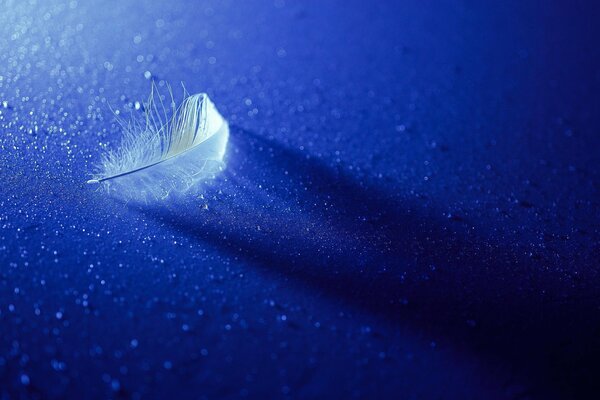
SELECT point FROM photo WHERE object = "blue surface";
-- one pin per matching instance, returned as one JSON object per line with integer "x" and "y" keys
{"x": 409, "y": 209}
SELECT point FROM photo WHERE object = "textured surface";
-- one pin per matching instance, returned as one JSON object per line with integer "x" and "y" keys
{"x": 410, "y": 207}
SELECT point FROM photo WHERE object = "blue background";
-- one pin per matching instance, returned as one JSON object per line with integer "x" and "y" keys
{"x": 409, "y": 209}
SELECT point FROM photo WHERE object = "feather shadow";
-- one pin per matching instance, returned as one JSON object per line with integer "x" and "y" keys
{"x": 359, "y": 241}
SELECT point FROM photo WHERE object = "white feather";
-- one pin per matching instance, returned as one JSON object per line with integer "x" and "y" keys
{"x": 165, "y": 154}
